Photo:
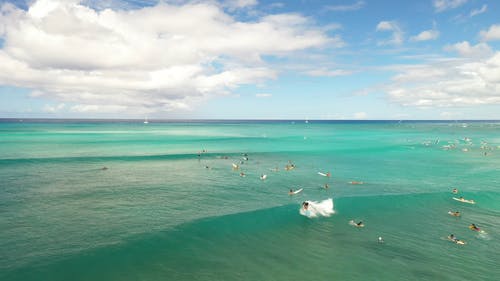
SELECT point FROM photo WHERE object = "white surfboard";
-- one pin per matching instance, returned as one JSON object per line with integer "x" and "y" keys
{"x": 297, "y": 191}
{"x": 322, "y": 174}
{"x": 464, "y": 200}
{"x": 456, "y": 241}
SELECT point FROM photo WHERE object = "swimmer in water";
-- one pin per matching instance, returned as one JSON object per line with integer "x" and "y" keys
{"x": 291, "y": 192}
{"x": 474, "y": 227}
{"x": 454, "y": 191}
{"x": 356, "y": 224}
{"x": 455, "y": 214}
{"x": 326, "y": 186}
{"x": 380, "y": 239}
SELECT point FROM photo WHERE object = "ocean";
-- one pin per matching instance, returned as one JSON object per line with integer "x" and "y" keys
{"x": 123, "y": 200}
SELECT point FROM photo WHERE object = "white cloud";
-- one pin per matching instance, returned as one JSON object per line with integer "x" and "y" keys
{"x": 328, "y": 73}
{"x": 360, "y": 115}
{"x": 464, "y": 49}
{"x": 426, "y": 35}
{"x": 443, "y": 5}
{"x": 493, "y": 33}
{"x": 159, "y": 58}
{"x": 263, "y": 95}
{"x": 397, "y": 33}
{"x": 448, "y": 83}
{"x": 342, "y": 8}
{"x": 53, "y": 108}
{"x": 238, "y": 4}
{"x": 476, "y": 12}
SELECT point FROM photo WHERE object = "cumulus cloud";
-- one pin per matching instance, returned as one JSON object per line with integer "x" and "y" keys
{"x": 343, "y": 8}
{"x": 397, "y": 33}
{"x": 464, "y": 49}
{"x": 158, "y": 58}
{"x": 426, "y": 35}
{"x": 492, "y": 34}
{"x": 448, "y": 83}
{"x": 443, "y": 5}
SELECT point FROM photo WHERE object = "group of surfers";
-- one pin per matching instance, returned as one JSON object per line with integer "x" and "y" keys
{"x": 472, "y": 226}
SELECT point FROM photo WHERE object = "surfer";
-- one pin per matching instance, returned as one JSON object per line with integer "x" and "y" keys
{"x": 328, "y": 174}
{"x": 263, "y": 177}
{"x": 356, "y": 224}
{"x": 380, "y": 239}
{"x": 454, "y": 239}
{"x": 454, "y": 191}
{"x": 455, "y": 214}
{"x": 474, "y": 227}
{"x": 326, "y": 186}
{"x": 305, "y": 205}
{"x": 242, "y": 174}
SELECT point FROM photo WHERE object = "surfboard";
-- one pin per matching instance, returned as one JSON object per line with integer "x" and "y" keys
{"x": 477, "y": 230}
{"x": 322, "y": 174}
{"x": 263, "y": 177}
{"x": 464, "y": 200}
{"x": 459, "y": 242}
{"x": 297, "y": 191}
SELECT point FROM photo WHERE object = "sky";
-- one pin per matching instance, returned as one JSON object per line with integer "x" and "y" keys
{"x": 250, "y": 59}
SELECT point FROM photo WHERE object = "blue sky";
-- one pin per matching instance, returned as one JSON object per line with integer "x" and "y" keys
{"x": 249, "y": 59}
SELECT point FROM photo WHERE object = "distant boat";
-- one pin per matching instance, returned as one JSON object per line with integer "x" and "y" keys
{"x": 146, "y": 121}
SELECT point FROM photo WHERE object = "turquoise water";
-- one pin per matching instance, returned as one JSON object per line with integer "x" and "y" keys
{"x": 158, "y": 213}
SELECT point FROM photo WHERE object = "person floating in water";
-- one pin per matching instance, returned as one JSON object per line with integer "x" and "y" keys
{"x": 474, "y": 227}
{"x": 455, "y": 214}
{"x": 326, "y": 186}
{"x": 242, "y": 174}
{"x": 454, "y": 191}
{"x": 356, "y": 224}
{"x": 453, "y": 238}
{"x": 291, "y": 192}
{"x": 380, "y": 239}
{"x": 328, "y": 174}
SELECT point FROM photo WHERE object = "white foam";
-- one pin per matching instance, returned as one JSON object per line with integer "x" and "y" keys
{"x": 317, "y": 209}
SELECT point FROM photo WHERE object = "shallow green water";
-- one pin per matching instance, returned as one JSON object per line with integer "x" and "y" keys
{"x": 157, "y": 212}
